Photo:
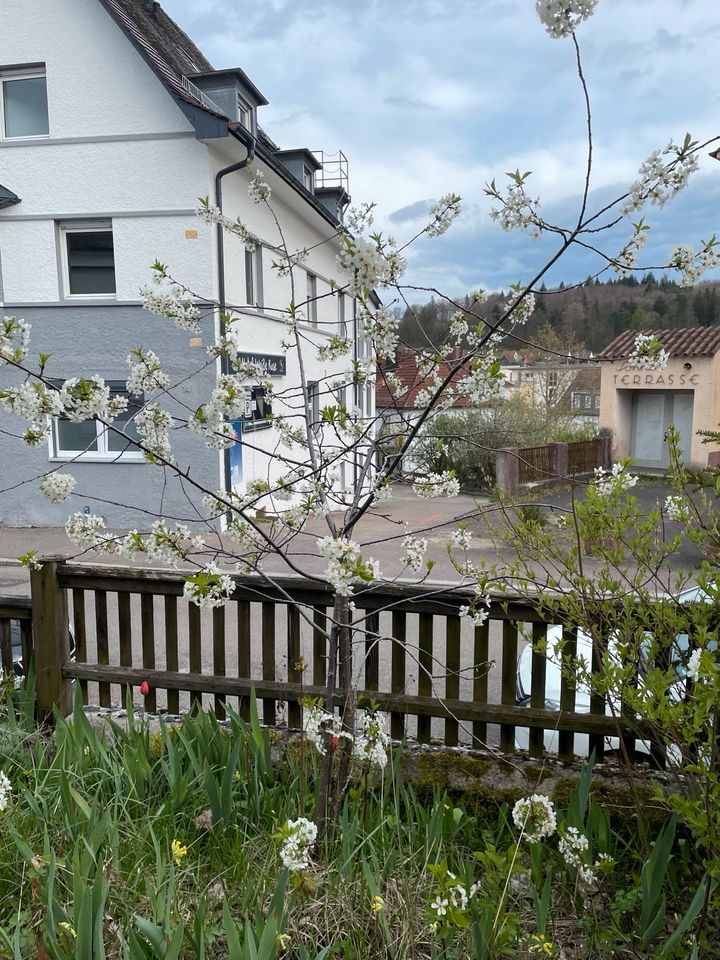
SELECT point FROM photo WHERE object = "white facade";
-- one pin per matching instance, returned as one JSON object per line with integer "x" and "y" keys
{"x": 124, "y": 153}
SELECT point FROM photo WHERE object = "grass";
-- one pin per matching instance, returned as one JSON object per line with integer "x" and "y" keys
{"x": 87, "y": 867}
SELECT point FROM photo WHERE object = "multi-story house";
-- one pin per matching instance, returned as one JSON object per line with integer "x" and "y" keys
{"x": 112, "y": 125}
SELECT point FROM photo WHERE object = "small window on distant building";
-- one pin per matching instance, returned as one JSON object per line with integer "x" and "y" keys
{"x": 308, "y": 179}
{"x": 23, "y": 103}
{"x": 313, "y": 389}
{"x": 88, "y": 259}
{"x": 312, "y": 310}
{"x": 342, "y": 320}
{"x": 253, "y": 277}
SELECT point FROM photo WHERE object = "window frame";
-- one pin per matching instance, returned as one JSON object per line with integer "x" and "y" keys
{"x": 253, "y": 278}
{"x": 67, "y": 227}
{"x": 36, "y": 72}
{"x": 245, "y": 112}
{"x": 103, "y": 454}
{"x": 312, "y": 294}
{"x": 308, "y": 179}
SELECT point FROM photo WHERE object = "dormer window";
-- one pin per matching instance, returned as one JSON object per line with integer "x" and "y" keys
{"x": 308, "y": 179}
{"x": 23, "y": 103}
{"x": 245, "y": 114}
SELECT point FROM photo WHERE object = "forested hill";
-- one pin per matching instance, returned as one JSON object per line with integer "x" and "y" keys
{"x": 593, "y": 313}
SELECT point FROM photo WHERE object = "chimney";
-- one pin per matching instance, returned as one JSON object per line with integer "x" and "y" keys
{"x": 152, "y": 7}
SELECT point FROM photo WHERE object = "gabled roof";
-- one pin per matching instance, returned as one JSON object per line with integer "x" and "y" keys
{"x": 685, "y": 342}
{"x": 406, "y": 370}
{"x": 168, "y": 49}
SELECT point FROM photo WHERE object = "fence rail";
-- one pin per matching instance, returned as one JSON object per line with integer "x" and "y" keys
{"x": 438, "y": 676}
{"x": 550, "y": 463}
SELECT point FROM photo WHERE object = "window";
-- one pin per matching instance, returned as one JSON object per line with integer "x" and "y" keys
{"x": 88, "y": 259}
{"x": 312, "y": 311}
{"x": 253, "y": 277}
{"x": 23, "y": 99}
{"x": 308, "y": 178}
{"x": 90, "y": 440}
{"x": 553, "y": 385}
{"x": 342, "y": 321}
{"x": 245, "y": 114}
{"x": 260, "y": 409}
{"x": 313, "y": 389}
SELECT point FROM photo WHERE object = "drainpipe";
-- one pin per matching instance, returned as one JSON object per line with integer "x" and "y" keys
{"x": 222, "y": 300}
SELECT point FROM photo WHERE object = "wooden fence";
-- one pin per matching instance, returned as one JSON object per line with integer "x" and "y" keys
{"x": 550, "y": 462}
{"x": 438, "y": 676}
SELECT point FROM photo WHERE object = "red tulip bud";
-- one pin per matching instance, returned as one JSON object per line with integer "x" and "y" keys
{"x": 144, "y": 688}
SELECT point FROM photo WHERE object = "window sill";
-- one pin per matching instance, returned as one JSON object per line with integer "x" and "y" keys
{"x": 34, "y": 136}
{"x": 71, "y": 458}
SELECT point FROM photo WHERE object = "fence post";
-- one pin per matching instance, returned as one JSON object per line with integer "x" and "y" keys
{"x": 50, "y": 635}
{"x": 603, "y": 445}
{"x": 507, "y": 470}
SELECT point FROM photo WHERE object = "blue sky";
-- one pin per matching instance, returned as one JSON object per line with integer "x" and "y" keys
{"x": 431, "y": 96}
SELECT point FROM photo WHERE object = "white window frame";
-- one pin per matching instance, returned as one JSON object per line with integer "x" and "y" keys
{"x": 245, "y": 114}
{"x": 254, "y": 278}
{"x": 312, "y": 304}
{"x": 82, "y": 226}
{"x": 308, "y": 178}
{"x": 21, "y": 73}
{"x": 103, "y": 454}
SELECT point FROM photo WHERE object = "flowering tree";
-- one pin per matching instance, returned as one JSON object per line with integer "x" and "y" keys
{"x": 317, "y": 427}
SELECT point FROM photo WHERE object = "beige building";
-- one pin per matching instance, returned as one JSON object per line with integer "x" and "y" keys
{"x": 638, "y": 406}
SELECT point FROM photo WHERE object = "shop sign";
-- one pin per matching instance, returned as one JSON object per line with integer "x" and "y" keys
{"x": 272, "y": 365}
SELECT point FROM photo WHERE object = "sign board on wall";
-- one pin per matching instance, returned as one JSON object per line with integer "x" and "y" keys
{"x": 273, "y": 365}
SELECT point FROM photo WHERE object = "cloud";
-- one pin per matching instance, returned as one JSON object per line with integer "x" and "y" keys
{"x": 412, "y": 212}
{"x": 409, "y": 104}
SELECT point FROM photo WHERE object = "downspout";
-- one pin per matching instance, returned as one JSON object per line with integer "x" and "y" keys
{"x": 222, "y": 299}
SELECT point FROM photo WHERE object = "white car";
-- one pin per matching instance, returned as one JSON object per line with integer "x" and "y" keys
{"x": 553, "y": 674}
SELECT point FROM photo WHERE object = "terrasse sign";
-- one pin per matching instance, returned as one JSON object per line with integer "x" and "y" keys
{"x": 631, "y": 377}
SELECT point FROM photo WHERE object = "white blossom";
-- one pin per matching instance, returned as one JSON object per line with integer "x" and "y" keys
{"x": 259, "y": 190}
{"x": 57, "y": 486}
{"x": 372, "y": 743}
{"x": 32, "y": 401}
{"x": 213, "y": 215}
{"x": 517, "y": 210}
{"x": 85, "y": 399}
{"x": 320, "y": 728}
{"x": 300, "y": 835}
{"x": 691, "y": 264}
{"x": 626, "y": 260}
{"x": 5, "y": 791}
{"x": 648, "y": 353}
{"x": 146, "y": 374}
{"x": 370, "y": 264}
{"x": 573, "y": 846}
{"x": 693, "y": 667}
{"x": 382, "y": 328}
{"x": 437, "y": 485}
{"x": 660, "y": 179}
{"x": 462, "y": 538}
{"x": 443, "y": 213}
{"x": 439, "y": 905}
{"x": 173, "y": 305}
{"x": 14, "y": 339}
{"x": 677, "y": 509}
{"x": 171, "y": 546}
{"x": 346, "y": 565}
{"x": 562, "y": 17}
{"x": 458, "y": 327}
{"x": 618, "y": 479}
{"x": 209, "y": 588}
{"x": 88, "y": 530}
{"x": 413, "y": 555}
{"x": 535, "y": 817}
{"x": 153, "y": 426}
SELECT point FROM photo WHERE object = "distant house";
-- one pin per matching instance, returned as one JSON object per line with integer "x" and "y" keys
{"x": 112, "y": 124}
{"x": 639, "y": 405}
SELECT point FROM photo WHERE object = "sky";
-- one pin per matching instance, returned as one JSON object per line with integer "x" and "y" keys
{"x": 427, "y": 97}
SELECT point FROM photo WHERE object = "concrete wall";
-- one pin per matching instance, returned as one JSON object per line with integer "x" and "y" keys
{"x": 619, "y": 380}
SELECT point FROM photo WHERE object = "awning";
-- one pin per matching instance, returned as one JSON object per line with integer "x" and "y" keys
{"x": 7, "y": 197}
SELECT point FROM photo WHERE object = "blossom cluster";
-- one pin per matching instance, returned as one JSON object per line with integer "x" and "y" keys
{"x": 85, "y": 399}
{"x": 299, "y": 836}
{"x": 259, "y": 190}
{"x": 14, "y": 339}
{"x": 517, "y": 210}
{"x": 87, "y": 530}
{"x": 413, "y": 555}
{"x": 346, "y": 564}
{"x": 677, "y": 509}
{"x": 562, "y": 17}
{"x": 648, "y": 353}
{"x": 212, "y": 214}
{"x": 57, "y": 486}
{"x": 321, "y": 727}
{"x": 146, "y": 374}
{"x": 153, "y": 426}
{"x": 608, "y": 483}
{"x": 209, "y": 588}
{"x": 462, "y": 538}
{"x": 372, "y": 743}
{"x": 523, "y": 309}
{"x": 35, "y": 403}
{"x": 382, "y": 328}
{"x": 692, "y": 264}
{"x": 443, "y": 213}
{"x": 227, "y": 401}
{"x": 478, "y": 611}
{"x": 659, "y": 179}
{"x": 444, "y": 484}
{"x": 5, "y": 791}
{"x": 173, "y": 304}
{"x": 626, "y": 260}
{"x": 573, "y": 847}
{"x": 370, "y": 264}
{"x": 535, "y": 817}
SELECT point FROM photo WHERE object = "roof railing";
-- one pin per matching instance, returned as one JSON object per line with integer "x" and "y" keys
{"x": 195, "y": 91}
{"x": 334, "y": 170}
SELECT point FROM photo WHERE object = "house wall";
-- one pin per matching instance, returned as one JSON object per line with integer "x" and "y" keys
{"x": 620, "y": 382}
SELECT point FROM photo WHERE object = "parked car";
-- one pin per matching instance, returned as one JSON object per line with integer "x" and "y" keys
{"x": 553, "y": 674}
{"x": 19, "y": 666}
